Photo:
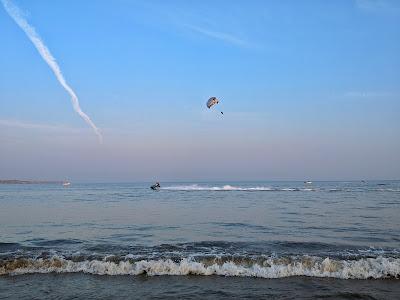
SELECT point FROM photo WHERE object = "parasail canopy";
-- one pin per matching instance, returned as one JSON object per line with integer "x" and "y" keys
{"x": 212, "y": 101}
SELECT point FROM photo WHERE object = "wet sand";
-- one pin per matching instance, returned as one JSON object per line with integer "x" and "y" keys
{"x": 84, "y": 286}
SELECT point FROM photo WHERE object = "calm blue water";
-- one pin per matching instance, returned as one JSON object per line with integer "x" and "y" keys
{"x": 344, "y": 230}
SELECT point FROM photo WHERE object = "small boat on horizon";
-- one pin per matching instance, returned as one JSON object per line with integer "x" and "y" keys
{"x": 308, "y": 182}
{"x": 66, "y": 183}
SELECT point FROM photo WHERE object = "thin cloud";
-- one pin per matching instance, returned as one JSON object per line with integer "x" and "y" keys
{"x": 367, "y": 94}
{"x": 187, "y": 20}
{"x": 378, "y": 6}
{"x": 222, "y": 36}
{"x": 44, "y": 52}
{"x": 37, "y": 126}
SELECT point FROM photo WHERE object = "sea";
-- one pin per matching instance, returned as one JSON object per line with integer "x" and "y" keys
{"x": 201, "y": 240}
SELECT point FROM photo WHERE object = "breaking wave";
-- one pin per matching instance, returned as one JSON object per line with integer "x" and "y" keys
{"x": 263, "y": 267}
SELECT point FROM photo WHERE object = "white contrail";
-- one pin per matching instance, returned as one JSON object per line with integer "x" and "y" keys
{"x": 15, "y": 13}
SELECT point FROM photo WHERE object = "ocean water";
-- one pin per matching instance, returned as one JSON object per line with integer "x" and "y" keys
{"x": 276, "y": 240}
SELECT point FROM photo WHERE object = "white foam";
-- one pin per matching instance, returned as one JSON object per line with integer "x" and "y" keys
{"x": 196, "y": 187}
{"x": 365, "y": 268}
{"x": 389, "y": 190}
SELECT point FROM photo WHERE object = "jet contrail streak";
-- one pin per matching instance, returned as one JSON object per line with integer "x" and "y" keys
{"x": 15, "y": 13}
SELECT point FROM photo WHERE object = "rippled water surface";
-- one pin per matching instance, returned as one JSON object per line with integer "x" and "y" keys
{"x": 346, "y": 230}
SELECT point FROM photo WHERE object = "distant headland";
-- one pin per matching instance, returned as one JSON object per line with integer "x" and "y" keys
{"x": 16, "y": 181}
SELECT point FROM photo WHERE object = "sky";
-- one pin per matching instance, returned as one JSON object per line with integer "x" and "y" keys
{"x": 310, "y": 90}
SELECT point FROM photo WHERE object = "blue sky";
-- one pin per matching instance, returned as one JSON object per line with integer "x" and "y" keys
{"x": 310, "y": 89}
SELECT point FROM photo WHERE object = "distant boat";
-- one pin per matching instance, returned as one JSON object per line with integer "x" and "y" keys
{"x": 308, "y": 182}
{"x": 66, "y": 183}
